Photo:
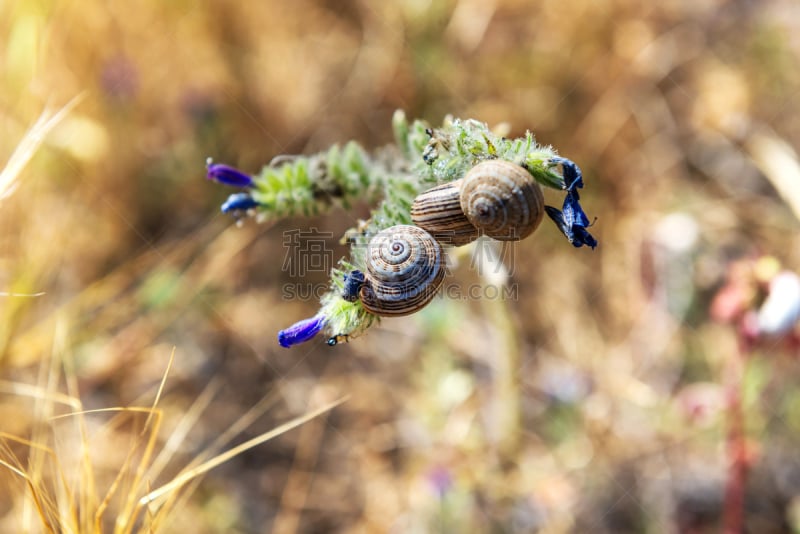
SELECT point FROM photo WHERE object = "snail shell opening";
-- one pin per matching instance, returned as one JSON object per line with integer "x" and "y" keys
{"x": 405, "y": 268}
{"x": 438, "y": 210}
{"x": 502, "y": 200}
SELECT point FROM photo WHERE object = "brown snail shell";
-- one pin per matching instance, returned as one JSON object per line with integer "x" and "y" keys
{"x": 438, "y": 210}
{"x": 405, "y": 268}
{"x": 497, "y": 198}
{"x": 502, "y": 200}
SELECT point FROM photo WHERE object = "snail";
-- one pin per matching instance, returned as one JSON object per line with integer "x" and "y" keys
{"x": 438, "y": 211}
{"x": 497, "y": 198}
{"x": 405, "y": 267}
{"x": 502, "y": 200}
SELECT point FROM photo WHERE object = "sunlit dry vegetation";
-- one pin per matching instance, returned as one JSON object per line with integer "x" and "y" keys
{"x": 138, "y": 324}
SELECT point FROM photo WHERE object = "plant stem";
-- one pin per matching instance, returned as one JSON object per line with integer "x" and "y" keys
{"x": 736, "y": 446}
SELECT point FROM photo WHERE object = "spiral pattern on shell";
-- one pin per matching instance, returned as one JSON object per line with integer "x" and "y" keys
{"x": 405, "y": 267}
{"x": 438, "y": 210}
{"x": 502, "y": 200}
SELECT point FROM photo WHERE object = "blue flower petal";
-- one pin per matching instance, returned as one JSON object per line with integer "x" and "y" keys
{"x": 225, "y": 174}
{"x": 571, "y": 219}
{"x": 239, "y": 202}
{"x": 573, "y": 177}
{"x": 301, "y": 331}
{"x": 580, "y": 237}
{"x": 558, "y": 218}
{"x": 572, "y": 222}
{"x": 573, "y": 212}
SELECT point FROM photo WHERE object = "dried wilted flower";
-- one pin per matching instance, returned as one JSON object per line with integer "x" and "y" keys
{"x": 572, "y": 221}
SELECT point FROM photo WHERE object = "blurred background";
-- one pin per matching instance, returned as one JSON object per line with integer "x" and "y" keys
{"x": 597, "y": 400}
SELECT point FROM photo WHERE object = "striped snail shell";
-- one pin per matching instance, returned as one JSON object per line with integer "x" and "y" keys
{"x": 438, "y": 211}
{"x": 405, "y": 267}
{"x": 497, "y": 198}
{"x": 502, "y": 200}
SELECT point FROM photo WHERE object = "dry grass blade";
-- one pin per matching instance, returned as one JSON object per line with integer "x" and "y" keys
{"x": 28, "y": 390}
{"x": 160, "y": 390}
{"x": 38, "y": 493}
{"x": 778, "y": 161}
{"x": 30, "y": 143}
{"x": 187, "y": 476}
{"x": 178, "y": 434}
{"x": 206, "y": 264}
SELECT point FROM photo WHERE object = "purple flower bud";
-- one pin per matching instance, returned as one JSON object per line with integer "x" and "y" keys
{"x": 239, "y": 202}
{"x": 440, "y": 479}
{"x": 352, "y": 285}
{"x": 225, "y": 174}
{"x": 301, "y": 331}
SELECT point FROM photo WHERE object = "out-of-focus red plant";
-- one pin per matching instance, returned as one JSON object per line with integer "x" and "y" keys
{"x": 761, "y": 300}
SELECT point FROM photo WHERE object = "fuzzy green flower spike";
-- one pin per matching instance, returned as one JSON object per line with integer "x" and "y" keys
{"x": 391, "y": 177}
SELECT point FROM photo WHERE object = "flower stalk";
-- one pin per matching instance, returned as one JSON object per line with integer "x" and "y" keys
{"x": 390, "y": 178}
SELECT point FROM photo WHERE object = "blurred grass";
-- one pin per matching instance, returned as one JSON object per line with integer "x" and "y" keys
{"x": 682, "y": 109}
